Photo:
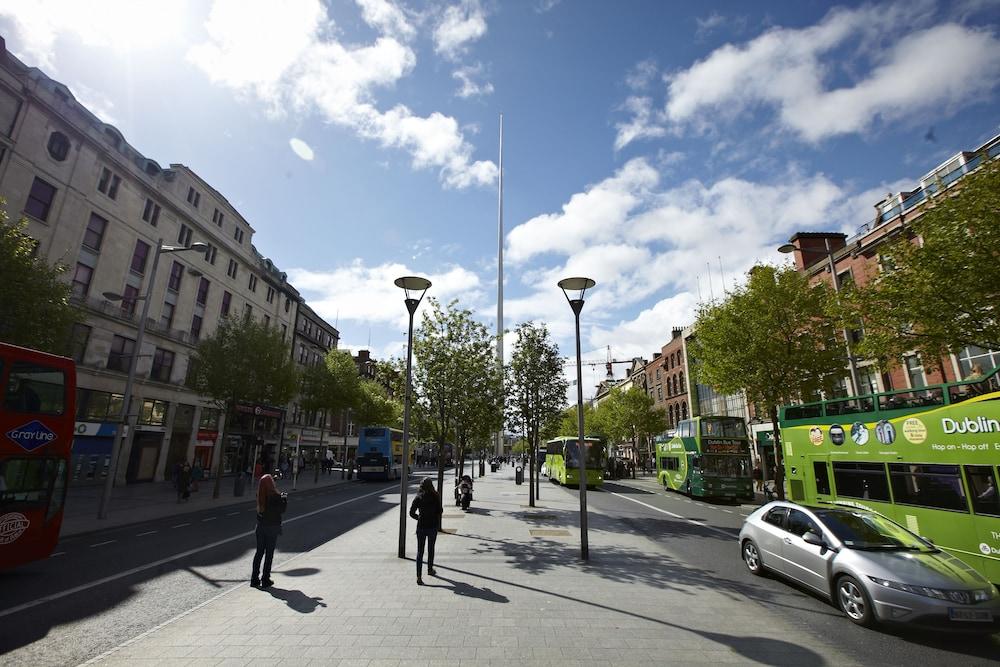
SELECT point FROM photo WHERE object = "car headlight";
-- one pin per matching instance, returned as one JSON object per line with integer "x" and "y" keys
{"x": 959, "y": 597}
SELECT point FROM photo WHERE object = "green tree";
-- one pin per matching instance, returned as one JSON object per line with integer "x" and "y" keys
{"x": 243, "y": 361}
{"x": 375, "y": 407}
{"x": 593, "y": 424}
{"x": 536, "y": 389}
{"x": 630, "y": 416}
{"x": 330, "y": 387}
{"x": 35, "y": 310}
{"x": 772, "y": 340}
{"x": 940, "y": 294}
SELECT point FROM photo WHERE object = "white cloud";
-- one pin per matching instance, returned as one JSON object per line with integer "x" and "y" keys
{"x": 645, "y": 123}
{"x": 642, "y": 74}
{"x": 305, "y": 67}
{"x": 460, "y": 25}
{"x": 302, "y": 149}
{"x": 543, "y": 6}
{"x": 387, "y": 18}
{"x": 470, "y": 77}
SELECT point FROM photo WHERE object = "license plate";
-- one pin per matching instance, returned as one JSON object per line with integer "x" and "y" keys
{"x": 982, "y": 615}
{"x": 372, "y": 469}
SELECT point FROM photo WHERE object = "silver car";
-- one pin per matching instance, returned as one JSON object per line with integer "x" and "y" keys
{"x": 871, "y": 567}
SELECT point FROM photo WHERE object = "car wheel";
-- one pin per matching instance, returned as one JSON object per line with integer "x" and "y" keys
{"x": 854, "y": 601}
{"x": 751, "y": 557}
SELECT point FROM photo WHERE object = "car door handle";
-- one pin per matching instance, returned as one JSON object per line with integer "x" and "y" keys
{"x": 788, "y": 540}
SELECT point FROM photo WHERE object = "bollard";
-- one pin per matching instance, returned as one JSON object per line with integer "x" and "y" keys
{"x": 519, "y": 475}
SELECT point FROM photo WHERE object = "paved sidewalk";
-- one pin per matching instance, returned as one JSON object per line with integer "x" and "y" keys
{"x": 510, "y": 590}
{"x": 153, "y": 500}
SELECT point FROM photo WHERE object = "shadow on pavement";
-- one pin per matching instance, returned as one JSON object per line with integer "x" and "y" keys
{"x": 296, "y": 600}
{"x": 470, "y": 591}
{"x": 300, "y": 572}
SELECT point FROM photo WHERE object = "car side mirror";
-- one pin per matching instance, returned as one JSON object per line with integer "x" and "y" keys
{"x": 813, "y": 539}
{"x": 927, "y": 540}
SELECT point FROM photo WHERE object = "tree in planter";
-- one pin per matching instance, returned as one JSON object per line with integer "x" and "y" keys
{"x": 34, "y": 300}
{"x": 630, "y": 415}
{"x": 940, "y": 294}
{"x": 330, "y": 387}
{"x": 243, "y": 361}
{"x": 536, "y": 390}
{"x": 772, "y": 340}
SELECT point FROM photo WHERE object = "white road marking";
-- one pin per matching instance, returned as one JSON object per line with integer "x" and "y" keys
{"x": 693, "y": 522}
{"x": 211, "y": 518}
{"x": 181, "y": 525}
{"x": 232, "y": 514}
{"x": 101, "y": 544}
{"x": 727, "y": 511}
{"x": 184, "y": 554}
{"x": 148, "y": 532}
{"x": 58, "y": 553}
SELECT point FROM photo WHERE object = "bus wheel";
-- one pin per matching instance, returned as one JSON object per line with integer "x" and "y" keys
{"x": 854, "y": 601}
{"x": 751, "y": 557}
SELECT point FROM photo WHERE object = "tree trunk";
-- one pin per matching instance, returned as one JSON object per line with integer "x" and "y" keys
{"x": 779, "y": 468}
{"x": 320, "y": 458}
{"x": 222, "y": 450}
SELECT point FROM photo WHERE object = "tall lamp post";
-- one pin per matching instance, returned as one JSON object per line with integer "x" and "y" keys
{"x": 788, "y": 248}
{"x": 415, "y": 288}
{"x": 109, "y": 482}
{"x": 574, "y": 289}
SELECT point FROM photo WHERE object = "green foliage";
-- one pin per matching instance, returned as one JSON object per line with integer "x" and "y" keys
{"x": 34, "y": 300}
{"x": 244, "y": 361}
{"x": 593, "y": 424}
{"x": 374, "y": 407}
{"x": 536, "y": 387}
{"x": 940, "y": 294}
{"x": 630, "y": 415}
{"x": 332, "y": 385}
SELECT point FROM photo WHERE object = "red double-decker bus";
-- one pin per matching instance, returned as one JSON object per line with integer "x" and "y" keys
{"x": 37, "y": 412}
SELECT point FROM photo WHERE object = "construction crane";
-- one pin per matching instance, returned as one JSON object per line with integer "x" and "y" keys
{"x": 608, "y": 363}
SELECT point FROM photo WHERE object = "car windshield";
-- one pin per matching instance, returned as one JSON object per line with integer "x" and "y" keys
{"x": 865, "y": 531}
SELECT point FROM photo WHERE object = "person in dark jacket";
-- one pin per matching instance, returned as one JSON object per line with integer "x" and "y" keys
{"x": 426, "y": 509}
{"x": 270, "y": 506}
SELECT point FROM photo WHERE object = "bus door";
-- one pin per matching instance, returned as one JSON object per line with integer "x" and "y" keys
{"x": 984, "y": 494}
{"x": 819, "y": 473}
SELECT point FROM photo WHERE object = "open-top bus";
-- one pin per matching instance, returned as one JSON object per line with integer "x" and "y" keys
{"x": 562, "y": 461}
{"x": 37, "y": 412}
{"x": 380, "y": 453}
{"x": 926, "y": 458}
{"x": 708, "y": 456}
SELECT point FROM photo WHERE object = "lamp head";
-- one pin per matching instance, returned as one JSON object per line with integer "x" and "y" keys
{"x": 112, "y": 296}
{"x": 198, "y": 246}
{"x": 414, "y": 286}
{"x": 574, "y": 288}
{"x": 787, "y": 248}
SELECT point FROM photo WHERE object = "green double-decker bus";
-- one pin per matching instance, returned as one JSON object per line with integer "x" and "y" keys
{"x": 562, "y": 461}
{"x": 708, "y": 457}
{"x": 926, "y": 458}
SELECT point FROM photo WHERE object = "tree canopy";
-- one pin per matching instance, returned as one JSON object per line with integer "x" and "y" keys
{"x": 939, "y": 294}
{"x": 35, "y": 310}
{"x": 374, "y": 407}
{"x": 630, "y": 416}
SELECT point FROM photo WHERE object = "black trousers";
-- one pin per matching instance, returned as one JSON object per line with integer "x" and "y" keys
{"x": 428, "y": 536}
{"x": 267, "y": 540}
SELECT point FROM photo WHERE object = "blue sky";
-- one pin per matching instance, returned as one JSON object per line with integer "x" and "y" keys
{"x": 644, "y": 142}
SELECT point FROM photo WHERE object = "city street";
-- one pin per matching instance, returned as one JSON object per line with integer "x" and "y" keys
{"x": 664, "y": 571}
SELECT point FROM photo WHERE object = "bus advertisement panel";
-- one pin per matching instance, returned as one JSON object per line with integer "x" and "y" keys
{"x": 926, "y": 458}
{"x": 709, "y": 457}
{"x": 562, "y": 461}
{"x": 37, "y": 412}
{"x": 380, "y": 453}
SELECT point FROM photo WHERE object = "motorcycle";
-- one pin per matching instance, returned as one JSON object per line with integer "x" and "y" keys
{"x": 463, "y": 492}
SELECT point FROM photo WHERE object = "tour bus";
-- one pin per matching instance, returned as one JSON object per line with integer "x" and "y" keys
{"x": 562, "y": 461}
{"x": 37, "y": 412}
{"x": 926, "y": 458}
{"x": 380, "y": 453}
{"x": 707, "y": 457}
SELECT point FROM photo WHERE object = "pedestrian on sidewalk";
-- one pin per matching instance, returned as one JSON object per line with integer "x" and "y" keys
{"x": 184, "y": 483}
{"x": 426, "y": 509}
{"x": 196, "y": 474}
{"x": 270, "y": 506}
{"x": 758, "y": 478}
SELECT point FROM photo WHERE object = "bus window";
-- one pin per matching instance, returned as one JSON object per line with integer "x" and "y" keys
{"x": 35, "y": 389}
{"x": 822, "y": 475}
{"x": 861, "y": 480}
{"x": 983, "y": 490}
{"x": 26, "y": 481}
{"x": 928, "y": 485}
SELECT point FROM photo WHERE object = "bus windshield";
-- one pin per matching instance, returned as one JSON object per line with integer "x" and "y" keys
{"x": 725, "y": 465}
{"x": 723, "y": 427}
{"x": 595, "y": 455}
{"x": 869, "y": 532}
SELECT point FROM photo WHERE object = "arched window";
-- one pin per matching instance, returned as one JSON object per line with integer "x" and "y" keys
{"x": 684, "y": 410}
{"x": 682, "y": 381}
{"x": 670, "y": 416}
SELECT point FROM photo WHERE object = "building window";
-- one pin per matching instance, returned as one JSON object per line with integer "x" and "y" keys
{"x": 202, "y": 297}
{"x": 167, "y": 315}
{"x": 247, "y": 311}
{"x": 682, "y": 389}
{"x": 58, "y": 146}
{"x": 233, "y": 267}
{"x": 184, "y": 238}
{"x": 194, "y": 197}
{"x": 659, "y": 393}
{"x": 153, "y": 413}
{"x": 151, "y": 212}
{"x": 267, "y": 320}
{"x": 81, "y": 280}
{"x": 270, "y": 294}
{"x": 284, "y": 331}
{"x": 915, "y": 371}
{"x": 121, "y": 353}
{"x": 210, "y": 254}
{"x": 176, "y": 273}
{"x": 196, "y": 327}
{"x": 973, "y": 360}
{"x": 227, "y": 299}
{"x": 217, "y": 217}
{"x": 109, "y": 183}
{"x": 657, "y": 374}
{"x": 237, "y": 234}
{"x": 253, "y": 283}
{"x": 94, "y": 235}
{"x": 139, "y": 256}
{"x": 80, "y": 338}
{"x": 40, "y": 200}
{"x": 163, "y": 365}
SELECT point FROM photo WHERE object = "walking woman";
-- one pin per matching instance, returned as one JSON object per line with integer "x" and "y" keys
{"x": 426, "y": 509}
{"x": 270, "y": 506}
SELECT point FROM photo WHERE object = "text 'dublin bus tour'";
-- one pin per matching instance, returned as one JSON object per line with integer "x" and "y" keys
{"x": 926, "y": 458}
{"x": 37, "y": 409}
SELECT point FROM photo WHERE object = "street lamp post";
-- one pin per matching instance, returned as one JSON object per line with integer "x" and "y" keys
{"x": 788, "y": 248}
{"x": 577, "y": 287}
{"x": 414, "y": 288}
{"x": 343, "y": 457}
{"x": 109, "y": 482}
